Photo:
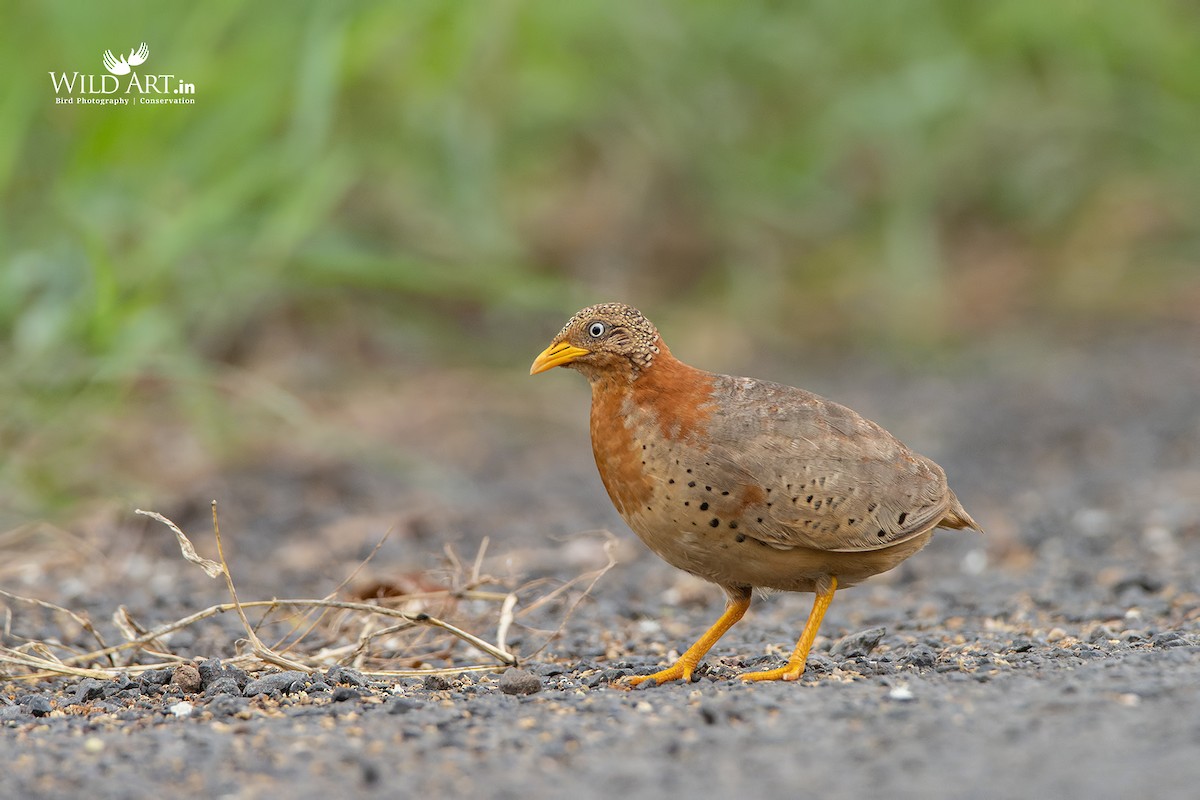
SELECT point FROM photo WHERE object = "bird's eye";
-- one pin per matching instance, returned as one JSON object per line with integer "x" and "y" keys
{"x": 596, "y": 329}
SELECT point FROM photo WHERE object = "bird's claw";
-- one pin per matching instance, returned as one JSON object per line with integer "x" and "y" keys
{"x": 675, "y": 672}
{"x": 788, "y": 672}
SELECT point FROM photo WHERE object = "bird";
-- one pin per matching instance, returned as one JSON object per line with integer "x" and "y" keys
{"x": 745, "y": 483}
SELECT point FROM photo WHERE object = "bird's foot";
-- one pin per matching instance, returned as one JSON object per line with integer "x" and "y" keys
{"x": 677, "y": 671}
{"x": 788, "y": 672}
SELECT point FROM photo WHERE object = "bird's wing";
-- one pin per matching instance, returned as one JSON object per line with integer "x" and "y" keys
{"x": 813, "y": 473}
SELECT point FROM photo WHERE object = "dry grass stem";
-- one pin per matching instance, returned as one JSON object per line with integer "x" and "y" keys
{"x": 413, "y": 635}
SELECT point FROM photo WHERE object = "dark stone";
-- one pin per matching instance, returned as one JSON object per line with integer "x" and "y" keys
{"x": 437, "y": 683}
{"x": 518, "y": 681}
{"x": 919, "y": 656}
{"x": 1169, "y": 639}
{"x": 38, "y": 706}
{"x": 123, "y": 683}
{"x": 345, "y": 675}
{"x": 819, "y": 663}
{"x": 344, "y": 693}
{"x": 858, "y": 644}
{"x": 156, "y": 677}
{"x": 222, "y": 686}
{"x": 210, "y": 670}
{"x": 226, "y": 705}
{"x": 277, "y": 683}
{"x": 596, "y": 679}
{"x": 403, "y": 705}
{"x": 88, "y": 689}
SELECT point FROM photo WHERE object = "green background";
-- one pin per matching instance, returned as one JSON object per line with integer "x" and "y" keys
{"x": 361, "y": 185}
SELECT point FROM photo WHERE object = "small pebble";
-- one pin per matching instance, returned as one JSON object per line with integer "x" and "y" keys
{"x": 436, "y": 683}
{"x": 226, "y": 705}
{"x": 38, "y": 706}
{"x": 88, "y": 689}
{"x": 187, "y": 678}
{"x": 519, "y": 681}
{"x": 345, "y": 675}
{"x": 181, "y": 709}
{"x": 858, "y": 644}
{"x": 403, "y": 705}
{"x": 919, "y": 656}
{"x": 222, "y": 686}
{"x": 277, "y": 682}
{"x": 901, "y": 693}
{"x": 1169, "y": 639}
{"x": 344, "y": 693}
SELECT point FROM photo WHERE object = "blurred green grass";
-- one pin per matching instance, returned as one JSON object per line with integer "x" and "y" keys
{"x": 431, "y": 177}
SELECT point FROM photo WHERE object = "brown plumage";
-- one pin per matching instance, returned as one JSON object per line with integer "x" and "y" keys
{"x": 743, "y": 482}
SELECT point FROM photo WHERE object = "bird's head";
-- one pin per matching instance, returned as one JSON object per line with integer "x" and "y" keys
{"x": 607, "y": 339}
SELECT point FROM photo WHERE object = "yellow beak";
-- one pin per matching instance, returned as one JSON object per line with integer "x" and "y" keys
{"x": 555, "y": 356}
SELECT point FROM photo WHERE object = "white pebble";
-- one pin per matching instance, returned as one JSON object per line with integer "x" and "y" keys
{"x": 901, "y": 693}
{"x": 182, "y": 709}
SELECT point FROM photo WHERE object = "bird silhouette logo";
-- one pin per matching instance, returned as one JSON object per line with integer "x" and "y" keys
{"x": 124, "y": 64}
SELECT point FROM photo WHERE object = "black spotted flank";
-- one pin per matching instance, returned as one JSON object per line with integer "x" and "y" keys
{"x": 704, "y": 506}
{"x": 715, "y": 522}
{"x": 882, "y": 534}
{"x": 903, "y": 516}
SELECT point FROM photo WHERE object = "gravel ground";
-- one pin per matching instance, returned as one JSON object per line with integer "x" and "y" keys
{"x": 1058, "y": 655}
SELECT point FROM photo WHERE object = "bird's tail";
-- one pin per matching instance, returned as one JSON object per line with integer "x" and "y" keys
{"x": 957, "y": 517}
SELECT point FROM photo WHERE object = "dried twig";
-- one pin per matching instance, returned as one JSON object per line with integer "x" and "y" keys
{"x": 38, "y": 659}
{"x": 81, "y": 620}
{"x": 609, "y": 546}
{"x": 211, "y": 568}
{"x": 260, "y": 649}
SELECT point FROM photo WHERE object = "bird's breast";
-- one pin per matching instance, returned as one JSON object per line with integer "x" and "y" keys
{"x": 643, "y": 429}
{"x": 619, "y": 446}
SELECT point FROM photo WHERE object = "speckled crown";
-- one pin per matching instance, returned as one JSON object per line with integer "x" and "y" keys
{"x": 631, "y": 330}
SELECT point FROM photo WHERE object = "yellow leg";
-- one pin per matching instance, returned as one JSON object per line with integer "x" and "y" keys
{"x": 683, "y": 668}
{"x": 799, "y": 657}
